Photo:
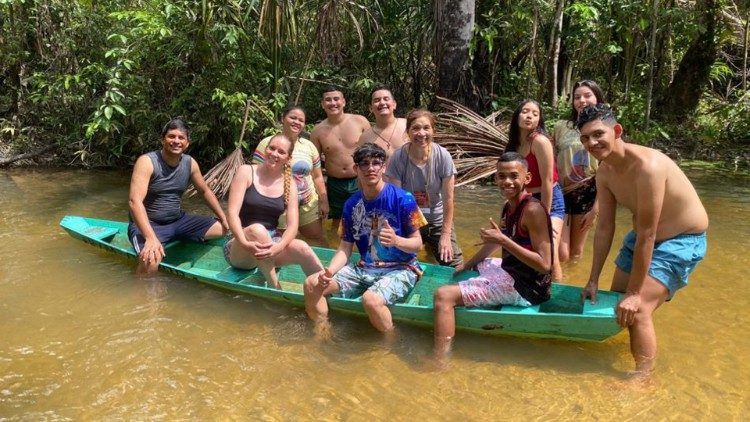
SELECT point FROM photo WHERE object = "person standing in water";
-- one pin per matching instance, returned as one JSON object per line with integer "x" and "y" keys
{"x": 577, "y": 169}
{"x": 389, "y": 131}
{"x": 668, "y": 238}
{"x": 336, "y": 138}
{"x": 426, "y": 169}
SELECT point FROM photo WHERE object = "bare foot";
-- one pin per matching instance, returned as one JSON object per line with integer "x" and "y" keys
{"x": 322, "y": 330}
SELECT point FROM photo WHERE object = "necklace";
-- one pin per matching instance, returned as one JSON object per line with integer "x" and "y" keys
{"x": 387, "y": 141}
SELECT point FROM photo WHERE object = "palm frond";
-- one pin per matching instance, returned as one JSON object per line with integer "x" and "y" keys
{"x": 474, "y": 142}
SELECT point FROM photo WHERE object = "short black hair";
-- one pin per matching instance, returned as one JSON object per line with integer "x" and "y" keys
{"x": 368, "y": 150}
{"x": 381, "y": 87}
{"x": 331, "y": 88}
{"x": 176, "y": 123}
{"x": 596, "y": 112}
{"x": 511, "y": 156}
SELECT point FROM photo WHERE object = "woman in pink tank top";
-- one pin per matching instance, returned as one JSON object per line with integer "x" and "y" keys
{"x": 527, "y": 137}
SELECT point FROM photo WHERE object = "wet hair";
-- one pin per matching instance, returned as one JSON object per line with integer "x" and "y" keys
{"x": 331, "y": 88}
{"x": 287, "y": 166}
{"x": 381, "y": 87}
{"x": 176, "y": 123}
{"x": 368, "y": 150}
{"x": 594, "y": 87}
{"x": 416, "y": 114}
{"x": 511, "y": 156}
{"x": 596, "y": 112}
{"x": 514, "y": 133}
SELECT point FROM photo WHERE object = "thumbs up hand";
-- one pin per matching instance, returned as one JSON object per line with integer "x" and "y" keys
{"x": 387, "y": 234}
{"x": 492, "y": 234}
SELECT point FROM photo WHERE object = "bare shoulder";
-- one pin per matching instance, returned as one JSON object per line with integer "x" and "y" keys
{"x": 648, "y": 161}
{"x": 360, "y": 121}
{"x": 143, "y": 163}
{"x": 535, "y": 215}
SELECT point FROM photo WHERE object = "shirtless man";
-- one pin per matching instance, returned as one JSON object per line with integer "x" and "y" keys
{"x": 389, "y": 131}
{"x": 669, "y": 224}
{"x": 336, "y": 137}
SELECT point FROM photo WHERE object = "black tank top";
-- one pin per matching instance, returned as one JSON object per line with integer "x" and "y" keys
{"x": 257, "y": 208}
{"x": 532, "y": 285}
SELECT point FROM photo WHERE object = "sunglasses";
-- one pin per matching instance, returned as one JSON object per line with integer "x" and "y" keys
{"x": 375, "y": 164}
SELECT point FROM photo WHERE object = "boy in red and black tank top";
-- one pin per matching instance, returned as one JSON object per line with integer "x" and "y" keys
{"x": 522, "y": 277}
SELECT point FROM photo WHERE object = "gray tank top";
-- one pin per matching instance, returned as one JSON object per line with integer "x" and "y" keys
{"x": 163, "y": 200}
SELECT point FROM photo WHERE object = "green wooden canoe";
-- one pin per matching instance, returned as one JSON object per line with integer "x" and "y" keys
{"x": 562, "y": 317}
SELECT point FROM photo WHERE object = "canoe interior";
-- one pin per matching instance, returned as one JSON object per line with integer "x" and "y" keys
{"x": 563, "y": 316}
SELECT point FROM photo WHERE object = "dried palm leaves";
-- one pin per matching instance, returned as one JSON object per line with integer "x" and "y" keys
{"x": 474, "y": 142}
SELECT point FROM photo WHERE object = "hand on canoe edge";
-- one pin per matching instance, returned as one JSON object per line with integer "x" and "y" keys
{"x": 589, "y": 291}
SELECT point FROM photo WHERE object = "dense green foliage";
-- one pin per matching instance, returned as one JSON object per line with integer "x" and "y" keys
{"x": 99, "y": 78}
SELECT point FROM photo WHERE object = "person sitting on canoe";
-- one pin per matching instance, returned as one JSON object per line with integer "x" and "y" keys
{"x": 384, "y": 221}
{"x": 524, "y": 276}
{"x": 258, "y": 195}
{"x": 156, "y": 217}
{"x": 668, "y": 238}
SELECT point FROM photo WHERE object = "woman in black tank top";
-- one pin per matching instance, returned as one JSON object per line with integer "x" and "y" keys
{"x": 259, "y": 194}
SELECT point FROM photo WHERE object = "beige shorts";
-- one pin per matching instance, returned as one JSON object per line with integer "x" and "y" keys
{"x": 308, "y": 213}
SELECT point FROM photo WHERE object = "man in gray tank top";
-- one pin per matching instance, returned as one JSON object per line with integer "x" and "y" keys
{"x": 158, "y": 182}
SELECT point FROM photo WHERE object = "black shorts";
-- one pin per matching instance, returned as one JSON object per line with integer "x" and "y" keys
{"x": 581, "y": 199}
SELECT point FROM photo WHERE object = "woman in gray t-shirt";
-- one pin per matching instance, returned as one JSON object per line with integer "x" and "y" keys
{"x": 427, "y": 171}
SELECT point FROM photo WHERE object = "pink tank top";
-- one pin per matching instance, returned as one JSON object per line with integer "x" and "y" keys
{"x": 536, "y": 178}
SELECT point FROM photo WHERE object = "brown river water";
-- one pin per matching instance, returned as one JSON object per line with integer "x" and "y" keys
{"x": 82, "y": 338}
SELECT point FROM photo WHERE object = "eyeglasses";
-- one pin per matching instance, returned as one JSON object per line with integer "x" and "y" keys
{"x": 375, "y": 164}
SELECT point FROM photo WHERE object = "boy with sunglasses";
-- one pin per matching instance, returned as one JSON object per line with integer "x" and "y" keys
{"x": 384, "y": 221}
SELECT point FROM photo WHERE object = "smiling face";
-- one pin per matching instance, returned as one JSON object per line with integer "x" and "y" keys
{"x": 333, "y": 103}
{"x": 382, "y": 103}
{"x": 528, "y": 119}
{"x": 583, "y": 96}
{"x": 511, "y": 177}
{"x": 421, "y": 131}
{"x": 599, "y": 138}
{"x": 175, "y": 142}
{"x": 294, "y": 121}
{"x": 278, "y": 151}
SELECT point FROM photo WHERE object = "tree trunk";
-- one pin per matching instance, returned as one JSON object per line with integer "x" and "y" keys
{"x": 652, "y": 63}
{"x": 555, "y": 50}
{"x": 534, "y": 28}
{"x": 744, "y": 59}
{"x": 682, "y": 95}
{"x": 454, "y": 26}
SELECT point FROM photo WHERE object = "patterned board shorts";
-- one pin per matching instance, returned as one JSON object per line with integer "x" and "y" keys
{"x": 493, "y": 286}
{"x": 390, "y": 283}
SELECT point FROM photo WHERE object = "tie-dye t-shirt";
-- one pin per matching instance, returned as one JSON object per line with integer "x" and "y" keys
{"x": 362, "y": 220}
{"x": 305, "y": 158}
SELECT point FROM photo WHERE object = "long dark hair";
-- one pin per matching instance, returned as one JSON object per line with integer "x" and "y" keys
{"x": 594, "y": 87}
{"x": 514, "y": 133}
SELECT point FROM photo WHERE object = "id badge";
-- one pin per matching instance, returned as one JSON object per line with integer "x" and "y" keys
{"x": 423, "y": 202}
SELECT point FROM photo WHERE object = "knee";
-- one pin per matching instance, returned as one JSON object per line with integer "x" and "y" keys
{"x": 563, "y": 253}
{"x": 257, "y": 232}
{"x": 443, "y": 298}
{"x": 371, "y": 301}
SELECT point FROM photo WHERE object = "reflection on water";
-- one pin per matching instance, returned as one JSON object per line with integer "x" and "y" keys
{"x": 83, "y": 338}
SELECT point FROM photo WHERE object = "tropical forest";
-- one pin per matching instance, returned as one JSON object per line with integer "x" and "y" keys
{"x": 90, "y": 82}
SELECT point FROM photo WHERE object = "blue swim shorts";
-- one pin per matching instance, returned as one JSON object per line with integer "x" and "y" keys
{"x": 558, "y": 202}
{"x": 672, "y": 261}
{"x": 390, "y": 283}
{"x": 187, "y": 227}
